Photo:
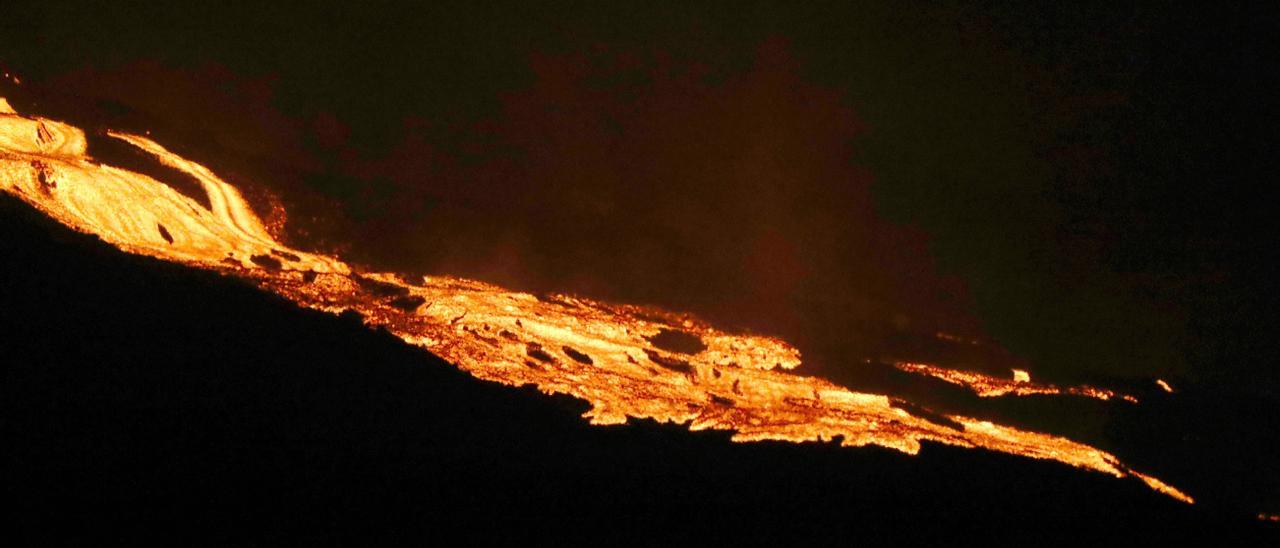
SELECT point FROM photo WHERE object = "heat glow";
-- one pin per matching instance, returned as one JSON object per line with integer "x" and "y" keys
{"x": 602, "y": 353}
{"x": 986, "y": 386}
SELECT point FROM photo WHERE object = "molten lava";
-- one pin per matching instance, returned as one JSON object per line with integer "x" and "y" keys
{"x": 986, "y": 386}
{"x": 618, "y": 358}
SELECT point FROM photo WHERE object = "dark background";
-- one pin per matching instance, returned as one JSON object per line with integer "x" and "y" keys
{"x": 1084, "y": 185}
{"x": 144, "y": 400}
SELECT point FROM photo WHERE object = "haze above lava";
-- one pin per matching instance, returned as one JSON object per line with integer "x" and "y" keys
{"x": 626, "y": 361}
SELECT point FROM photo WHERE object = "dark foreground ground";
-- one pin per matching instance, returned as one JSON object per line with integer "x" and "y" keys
{"x": 147, "y": 399}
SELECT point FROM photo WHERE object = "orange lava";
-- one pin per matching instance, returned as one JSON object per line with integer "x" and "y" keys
{"x": 986, "y": 386}
{"x": 606, "y": 354}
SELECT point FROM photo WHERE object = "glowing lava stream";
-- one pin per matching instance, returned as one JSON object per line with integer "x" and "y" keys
{"x": 599, "y": 352}
{"x": 986, "y": 386}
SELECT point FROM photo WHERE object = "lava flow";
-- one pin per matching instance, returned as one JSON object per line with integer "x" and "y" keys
{"x": 986, "y": 386}
{"x": 626, "y": 361}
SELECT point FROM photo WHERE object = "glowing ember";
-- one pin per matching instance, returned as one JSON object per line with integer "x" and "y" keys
{"x": 1164, "y": 386}
{"x": 986, "y": 386}
{"x": 618, "y": 358}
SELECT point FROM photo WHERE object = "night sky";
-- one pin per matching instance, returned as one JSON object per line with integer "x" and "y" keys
{"x": 1085, "y": 185}
{"x": 1079, "y": 183}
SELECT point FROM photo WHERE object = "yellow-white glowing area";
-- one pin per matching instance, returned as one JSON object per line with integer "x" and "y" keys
{"x": 618, "y": 358}
{"x": 46, "y": 163}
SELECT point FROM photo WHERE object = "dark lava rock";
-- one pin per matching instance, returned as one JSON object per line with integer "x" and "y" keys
{"x": 408, "y": 303}
{"x": 286, "y": 255}
{"x": 577, "y": 356}
{"x": 678, "y": 341}
{"x": 721, "y": 400}
{"x": 267, "y": 261}
{"x": 679, "y": 366}
{"x": 164, "y": 233}
{"x": 535, "y": 351}
{"x": 381, "y": 288}
{"x": 931, "y": 416}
